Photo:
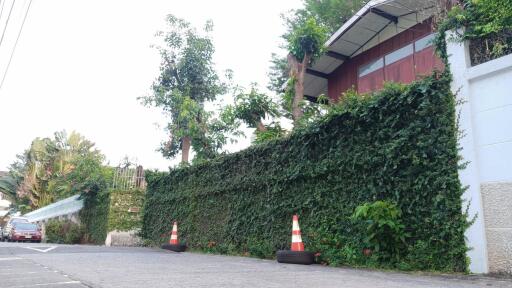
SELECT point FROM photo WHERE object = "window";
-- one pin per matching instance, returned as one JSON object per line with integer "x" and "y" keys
{"x": 424, "y": 42}
{"x": 371, "y": 67}
{"x": 403, "y": 65}
{"x": 398, "y": 54}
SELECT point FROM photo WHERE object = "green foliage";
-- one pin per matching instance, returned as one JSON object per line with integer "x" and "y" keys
{"x": 486, "y": 23}
{"x": 108, "y": 210}
{"x": 8, "y": 186}
{"x": 384, "y": 229}
{"x": 399, "y": 145}
{"x": 252, "y": 107}
{"x": 312, "y": 110}
{"x": 331, "y": 14}
{"x": 94, "y": 217}
{"x": 307, "y": 29}
{"x": 187, "y": 80}
{"x": 306, "y": 39}
{"x": 65, "y": 232}
{"x": 278, "y": 74}
{"x": 273, "y": 131}
{"x": 56, "y": 168}
{"x": 119, "y": 216}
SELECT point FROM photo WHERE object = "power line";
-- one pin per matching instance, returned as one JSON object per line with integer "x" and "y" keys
{"x": 2, "y": 9}
{"x": 7, "y": 22}
{"x": 15, "y": 44}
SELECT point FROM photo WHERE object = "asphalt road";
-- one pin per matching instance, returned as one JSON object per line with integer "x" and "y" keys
{"x": 61, "y": 266}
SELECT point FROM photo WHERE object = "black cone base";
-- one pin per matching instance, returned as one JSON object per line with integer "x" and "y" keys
{"x": 175, "y": 247}
{"x": 295, "y": 257}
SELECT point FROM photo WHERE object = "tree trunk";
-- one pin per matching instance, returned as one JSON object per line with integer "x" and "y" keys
{"x": 259, "y": 124}
{"x": 260, "y": 127}
{"x": 298, "y": 71}
{"x": 185, "y": 148}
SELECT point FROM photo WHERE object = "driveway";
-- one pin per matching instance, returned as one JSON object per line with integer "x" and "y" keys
{"x": 48, "y": 265}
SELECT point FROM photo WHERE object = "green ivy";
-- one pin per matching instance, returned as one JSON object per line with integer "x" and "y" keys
{"x": 108, "y": 211}
{"x": 94, "y": 216}
{"x": 119, "y": 216}
{"x": 398, "y": 145}
{"x": 486, "y": 24}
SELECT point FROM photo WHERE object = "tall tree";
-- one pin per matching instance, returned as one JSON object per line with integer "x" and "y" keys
{"x": 305, "y": 43}
{"x": 186, "y": 82}
{"x": 41, "y": 172}
{"x": 329, "y": 15}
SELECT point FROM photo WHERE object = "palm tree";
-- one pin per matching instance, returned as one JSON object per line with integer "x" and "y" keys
{"x": 8, "y": 187}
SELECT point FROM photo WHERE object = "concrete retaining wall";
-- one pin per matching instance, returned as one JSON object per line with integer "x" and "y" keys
{"x": 485, "y": 91}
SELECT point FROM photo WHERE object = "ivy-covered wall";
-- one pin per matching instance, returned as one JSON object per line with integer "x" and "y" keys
{"x": 399, "y": 145}
{"x": 125, "y": 210}
{"x": 94, "y": 217}
{"x": 111, "y": 210}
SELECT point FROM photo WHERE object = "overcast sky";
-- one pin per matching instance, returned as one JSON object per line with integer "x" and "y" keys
{"x": 81, "y": 64}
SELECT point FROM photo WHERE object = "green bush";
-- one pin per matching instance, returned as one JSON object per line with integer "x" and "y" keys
{"x": 384, "y": 229}
{"x": 399, "y": 145}
{"x": 66, "y": 232}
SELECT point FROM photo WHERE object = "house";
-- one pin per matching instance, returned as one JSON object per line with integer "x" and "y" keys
{"x": 391, "y": 40}
{"x": 384, "y": 41}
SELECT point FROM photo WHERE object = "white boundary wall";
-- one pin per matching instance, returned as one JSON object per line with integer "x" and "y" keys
{"x": 486, "y": 122}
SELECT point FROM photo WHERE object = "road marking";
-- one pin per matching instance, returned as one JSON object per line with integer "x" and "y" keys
{"x": 41, "y": 250}
{"x": 17, "y": 273}
{"x": 48, "y": 284}
{"x": 11, "y": 259}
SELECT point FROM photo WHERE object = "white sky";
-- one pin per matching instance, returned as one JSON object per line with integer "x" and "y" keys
{"x": 81, "y": 64}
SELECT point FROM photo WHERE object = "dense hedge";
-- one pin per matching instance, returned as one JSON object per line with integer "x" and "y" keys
{"x": 399, "y": 145}
{"x": 94, "y": 217}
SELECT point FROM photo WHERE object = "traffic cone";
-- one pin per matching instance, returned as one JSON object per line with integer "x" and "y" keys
{"x": 174, "y": 234}
{"x": 297, "y": 244}
{"x": 174, "y": 245}
{"x": 296, "y": 255}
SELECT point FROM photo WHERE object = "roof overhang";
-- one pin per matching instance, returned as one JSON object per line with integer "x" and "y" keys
{"x": 376, "y": 22}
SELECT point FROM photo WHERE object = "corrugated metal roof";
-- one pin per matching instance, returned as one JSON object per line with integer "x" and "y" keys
{"x": 359, "y": 32}
{"x": 67, "y": 206}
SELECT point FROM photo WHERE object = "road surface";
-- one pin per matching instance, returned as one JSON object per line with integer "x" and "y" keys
{"x": 77, "y": 266}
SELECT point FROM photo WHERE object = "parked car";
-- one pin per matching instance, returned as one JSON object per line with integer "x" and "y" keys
{"x": 23, "y": 231}
{"x": 7, "y": 228}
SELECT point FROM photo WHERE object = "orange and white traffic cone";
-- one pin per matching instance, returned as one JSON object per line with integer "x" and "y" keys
{"x": 174, "y": 234}
{"x": 297, "y": 255}
{"x": 297, "y": 244}
{"x": 174, "y": 245}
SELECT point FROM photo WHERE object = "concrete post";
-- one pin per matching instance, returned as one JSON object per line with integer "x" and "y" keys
{"x": 476, "y": 239}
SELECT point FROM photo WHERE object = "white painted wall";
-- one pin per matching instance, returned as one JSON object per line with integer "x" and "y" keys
{"x": 486, "y": 120}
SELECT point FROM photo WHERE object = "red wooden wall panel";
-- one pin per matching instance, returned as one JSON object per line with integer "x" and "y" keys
{"x": 371, "y": 82}
{"x": 402, "y": 71}
{"x": 345, "y": 77}
{"x": 426, "y": 61}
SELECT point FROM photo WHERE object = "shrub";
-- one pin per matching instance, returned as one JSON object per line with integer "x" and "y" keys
{"x": 66, "y": 232}
{"x": 384, "y": 229}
